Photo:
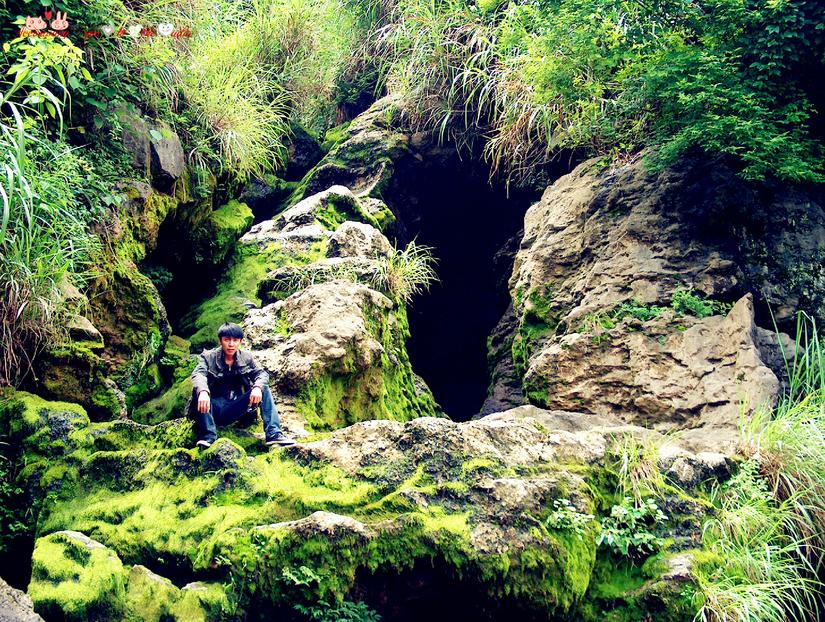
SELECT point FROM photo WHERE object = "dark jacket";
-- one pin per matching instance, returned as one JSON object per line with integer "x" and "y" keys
{"x": 214, "y": 376}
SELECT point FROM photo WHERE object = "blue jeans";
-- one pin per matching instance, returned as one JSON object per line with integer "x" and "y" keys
{"x": 223, "y": 412}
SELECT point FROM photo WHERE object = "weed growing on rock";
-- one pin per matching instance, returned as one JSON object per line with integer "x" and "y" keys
{"x": 405, "y": 273}
{"x": 565, "y": 516}
{"x": 629, "y": 530}
{"x": 683, "y": 302}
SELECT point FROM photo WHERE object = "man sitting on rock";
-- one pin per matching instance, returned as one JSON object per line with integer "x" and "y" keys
{"x": 228, "y": 384}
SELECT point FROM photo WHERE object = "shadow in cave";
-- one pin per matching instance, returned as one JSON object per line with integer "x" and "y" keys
{"x": 430, "y": 590}
{"x": 472, "y": 228}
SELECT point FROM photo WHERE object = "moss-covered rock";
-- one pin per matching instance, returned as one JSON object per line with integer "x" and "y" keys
{"x": 136, "y": 517}
{"x": 77, "y": 578}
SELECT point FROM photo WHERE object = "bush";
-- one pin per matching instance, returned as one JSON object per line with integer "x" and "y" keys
{"x": 539, "y": 78}
{"x": 44, "y": 241}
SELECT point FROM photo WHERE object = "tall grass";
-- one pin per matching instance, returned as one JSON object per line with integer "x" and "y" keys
{"x": 43, "y": 241}
{"x": 769, "y": 533}
{"x": 249, "y": 69}
{"x": 534, "y": 80}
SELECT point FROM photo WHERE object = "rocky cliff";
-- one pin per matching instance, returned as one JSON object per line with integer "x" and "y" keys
{"x": 638, "y": 306}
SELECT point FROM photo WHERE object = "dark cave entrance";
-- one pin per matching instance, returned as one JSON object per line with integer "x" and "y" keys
{"x": 473, "y": 229}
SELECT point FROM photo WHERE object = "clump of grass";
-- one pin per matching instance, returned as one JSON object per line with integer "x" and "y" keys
{"x": 757, "y": 571}
{"x": 769, "y": 531}
{"x": 401, "y": 275}
{"x": 406, "y": 273}
{"x": 634, "y": 460}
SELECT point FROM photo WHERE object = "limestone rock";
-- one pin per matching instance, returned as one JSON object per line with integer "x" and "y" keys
{"x": 363, "y": 510}
{"x": 16, "y": 606}
{"x": 135, "y": 138}
{"x": 81, "y": 329}
{"x": 365, "y": 159}
{"x": 168, "y": 161}
{"x": 600, "y": 239}
{"x": 356, "y": 239}
{"x": 695, "y": 379}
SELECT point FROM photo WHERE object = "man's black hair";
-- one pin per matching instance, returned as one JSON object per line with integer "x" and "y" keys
{"x": 230, "y": 330}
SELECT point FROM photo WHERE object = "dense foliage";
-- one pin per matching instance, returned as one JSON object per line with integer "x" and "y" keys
{"x": 535, "y": 79}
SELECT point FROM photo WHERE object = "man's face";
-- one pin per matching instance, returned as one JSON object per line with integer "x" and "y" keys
{"x": 230, "y": 345}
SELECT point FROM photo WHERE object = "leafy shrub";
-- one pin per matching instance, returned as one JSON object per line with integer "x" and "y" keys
{"x": 43, "y": 237}
{"x": 629, "y": 530}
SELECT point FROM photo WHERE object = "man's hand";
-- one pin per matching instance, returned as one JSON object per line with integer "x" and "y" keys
{"x": 255, "y": 396}
{"x": 203, "y": 402}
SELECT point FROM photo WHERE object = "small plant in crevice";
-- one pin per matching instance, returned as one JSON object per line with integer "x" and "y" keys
{"x": 684, "y": 302}
{"x": 12, "y": 512}
{"x": 629, "y": 531}
{"x": 565, "y": 517}
{"x": 634, "y": 462}
{"x": 307, "y": 579}
{"x": 687, "y": 302}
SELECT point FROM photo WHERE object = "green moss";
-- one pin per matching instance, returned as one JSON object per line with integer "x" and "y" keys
{"x": 339, "y": 208}
{"x": 621, "y": 592}
{"x": 41, "y": 427}
{"x": 75, "y": 580}
{"x": 335, "y": 136}
{"x": 385, "y": 391}
{"x": 177, "y": 362}
{"x": 139, "y": 227}
{"x": 240, "y": 287}
{"x": 169, "y": 405}
{"x": 540, "y": 318}
{"x": 227, "y": 223}
{"x": 551, "y": 574}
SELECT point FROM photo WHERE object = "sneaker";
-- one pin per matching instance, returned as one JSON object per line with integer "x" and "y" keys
{"x": 278, "y": 439}
{"x": 203, "y": 444}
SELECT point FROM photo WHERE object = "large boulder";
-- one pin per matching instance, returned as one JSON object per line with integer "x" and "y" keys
{"x": 305, "y": 284}
{"x": 624, "y": 287}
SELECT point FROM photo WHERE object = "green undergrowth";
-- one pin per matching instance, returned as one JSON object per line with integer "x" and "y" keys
{"x": 239, "y": 287}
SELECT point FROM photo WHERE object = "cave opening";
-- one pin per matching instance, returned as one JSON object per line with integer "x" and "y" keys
{"x": 473, "y": 228}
